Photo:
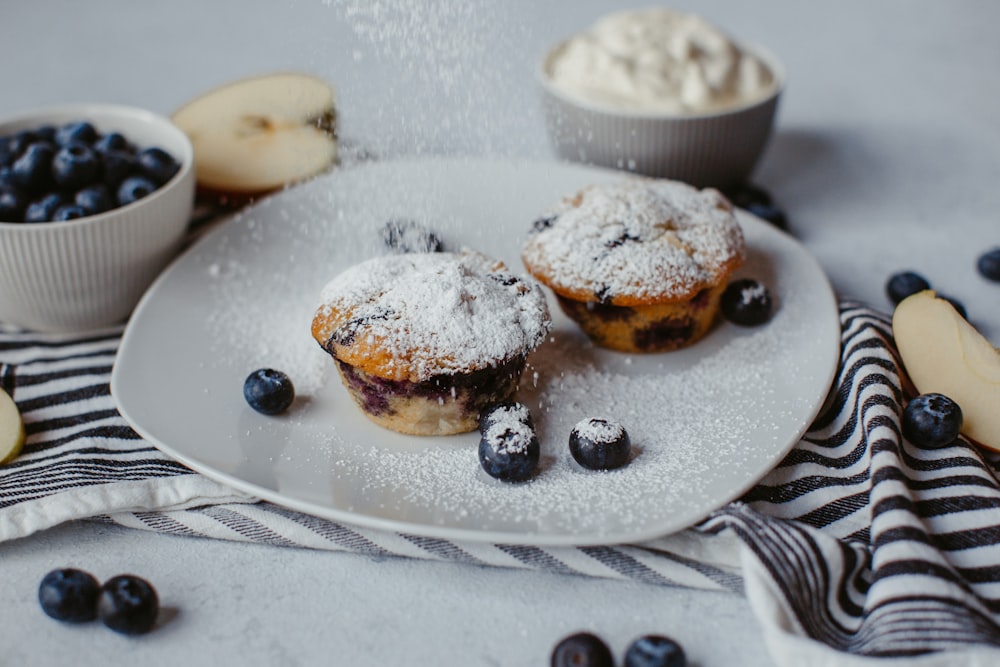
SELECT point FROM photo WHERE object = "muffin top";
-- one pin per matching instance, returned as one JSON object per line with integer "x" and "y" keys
{"x": 636, "y": 242}
{"x": 415, "y": 316}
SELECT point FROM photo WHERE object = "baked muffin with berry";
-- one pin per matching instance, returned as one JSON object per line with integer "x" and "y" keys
{"x": 426, "y": 342}
{"x": 638, "y": 264}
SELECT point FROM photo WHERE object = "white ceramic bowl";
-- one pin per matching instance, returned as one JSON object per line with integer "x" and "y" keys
{"x": 90, "y": 272}
{"x": 717, "y": 149}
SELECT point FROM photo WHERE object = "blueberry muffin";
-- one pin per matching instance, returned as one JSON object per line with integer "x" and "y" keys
{"x": 639, "y": 265}
{"x": 426, "y": 342}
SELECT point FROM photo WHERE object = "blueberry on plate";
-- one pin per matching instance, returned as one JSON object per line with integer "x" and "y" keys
{"x": 12, "y": 203}
{"x": 582, "y": 649}
{"x": 157, "y": 164}
{"x": 42, "y": 209}
{"x": 268, "y": 391}
{"x": 599, "y": 444}
{"x": 78, "y": 132}
{"x": 405, "y": 236}
{"x": 506, "y": 410}
{"x": 133, "y": 189}
{"x": 69, "y": 595}
{"x": 509, "y": 449}
{"x": 932, "y": 421}
{"x": 128, "y": 604}
{"x": 988, "y": 265}
{"x": 74, "y": 166}
{"x": 903, "y": 284}
{"x": 94, "y": 199}
{"x": 746, "y": 302}
{"x": 655, "y": 651}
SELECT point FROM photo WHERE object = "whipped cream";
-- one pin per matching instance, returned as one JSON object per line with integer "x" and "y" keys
{"x": 658, "y": 60}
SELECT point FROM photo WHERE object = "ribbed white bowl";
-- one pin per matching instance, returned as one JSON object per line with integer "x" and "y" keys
{"x": 90, "y": 272}
{"x": 715, "y": 149}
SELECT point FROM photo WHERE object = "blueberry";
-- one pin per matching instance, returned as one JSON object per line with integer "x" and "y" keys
{"x": 932, "y": 421}
{"x": 79, "y": 132}
{"x": 33, "y": 169}
{"x": 18, "y": 143}
{"x": 46, "y": 133}
{"x": 506, "y": 410}
{"x": 405, "y": 236}
{"x": 68, "y": 212}
{"x": 69, "y": 595}
{"x": 655, "y": 651}
{"x": 746, "y": 302}
{"x": 12, "y": 203}
{"x": 118, "y": 165}
{"x": 903, "y": 284}
{"x": 94, "y": 199}
{"x": 133, "y": 189}
{"x": 509, "y": 449}
{"x": 128, "y": 604}
{"x": 541, "y": 224}
{"x": 582, "y": 650}
{"x": 988, "y": 264}
{"x": 74, "y": 166}
{"x": 6, "y": 154}
{"x": 599, "y": 444}
{"x": 112, "y": 141}
{"x": 44, "y": 208}
{"x": 268, "y": 391}
{"x": 770, "y": 213}
{"x": 157, "y": 164}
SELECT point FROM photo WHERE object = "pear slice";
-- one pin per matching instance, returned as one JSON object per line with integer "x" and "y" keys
{"x": 11, "y": 429}
{"x": 260, "y": 134}
{"x": 945, "y": 354}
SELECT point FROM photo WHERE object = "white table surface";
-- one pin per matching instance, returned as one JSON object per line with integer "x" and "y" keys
{"x": 886, "y": 157}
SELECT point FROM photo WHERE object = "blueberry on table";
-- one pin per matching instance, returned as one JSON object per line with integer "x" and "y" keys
{"x": 268, "y": 391}
{"x": 932, "y": 421}
{"x": 405, "y": 236}
{"x": 509, "y": 449}
{"x": 599, "y": 444}
{"x": 746, "y": 302}
{"x": 69, "y": 595}
{"x": 583, "y": 649}
{"x": 44, "y": 208}
{"x": 504, "y": 411}
{"x": 157, "y": 164}
{"x": 74, "y": 166}
{"x": 988, "y": 265}
{"x": 133, "y": 189}
{"x": 128, "y": 604}
{"x": 12, "y": 203}
{"x": 655, "y": 651}
{"x": 903, "y": 284}
{"x": 78, "y": 132}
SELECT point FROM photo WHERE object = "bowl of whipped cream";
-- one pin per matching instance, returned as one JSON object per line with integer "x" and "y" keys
{"x": 661, "y": 93}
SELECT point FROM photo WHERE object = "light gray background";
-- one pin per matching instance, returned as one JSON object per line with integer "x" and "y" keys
{"x": 886, "y": 157}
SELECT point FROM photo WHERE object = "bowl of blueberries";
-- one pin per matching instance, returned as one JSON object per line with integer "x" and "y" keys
{"x": 95, "y": 200}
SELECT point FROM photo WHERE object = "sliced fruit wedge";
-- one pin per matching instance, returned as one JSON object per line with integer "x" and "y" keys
{"x": 261, "y": 134}
{"x": 11, "y": 429}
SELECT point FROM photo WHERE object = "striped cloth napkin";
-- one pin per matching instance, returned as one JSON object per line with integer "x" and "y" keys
{"x": 858, "y": 547}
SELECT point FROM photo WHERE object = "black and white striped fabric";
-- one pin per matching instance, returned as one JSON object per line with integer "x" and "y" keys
{"x": 857, "y": 546}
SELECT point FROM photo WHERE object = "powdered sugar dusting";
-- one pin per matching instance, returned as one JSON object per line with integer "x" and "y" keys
{"x": 433, "y": 313}
{"x": 637, "y": 239}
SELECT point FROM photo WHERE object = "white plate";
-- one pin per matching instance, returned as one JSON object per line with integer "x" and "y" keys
{"x": 706, "y": 422}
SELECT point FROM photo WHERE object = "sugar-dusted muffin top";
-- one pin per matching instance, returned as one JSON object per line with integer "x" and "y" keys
{"x": 635, "y": 242}
{"x": 415, "y": 316}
